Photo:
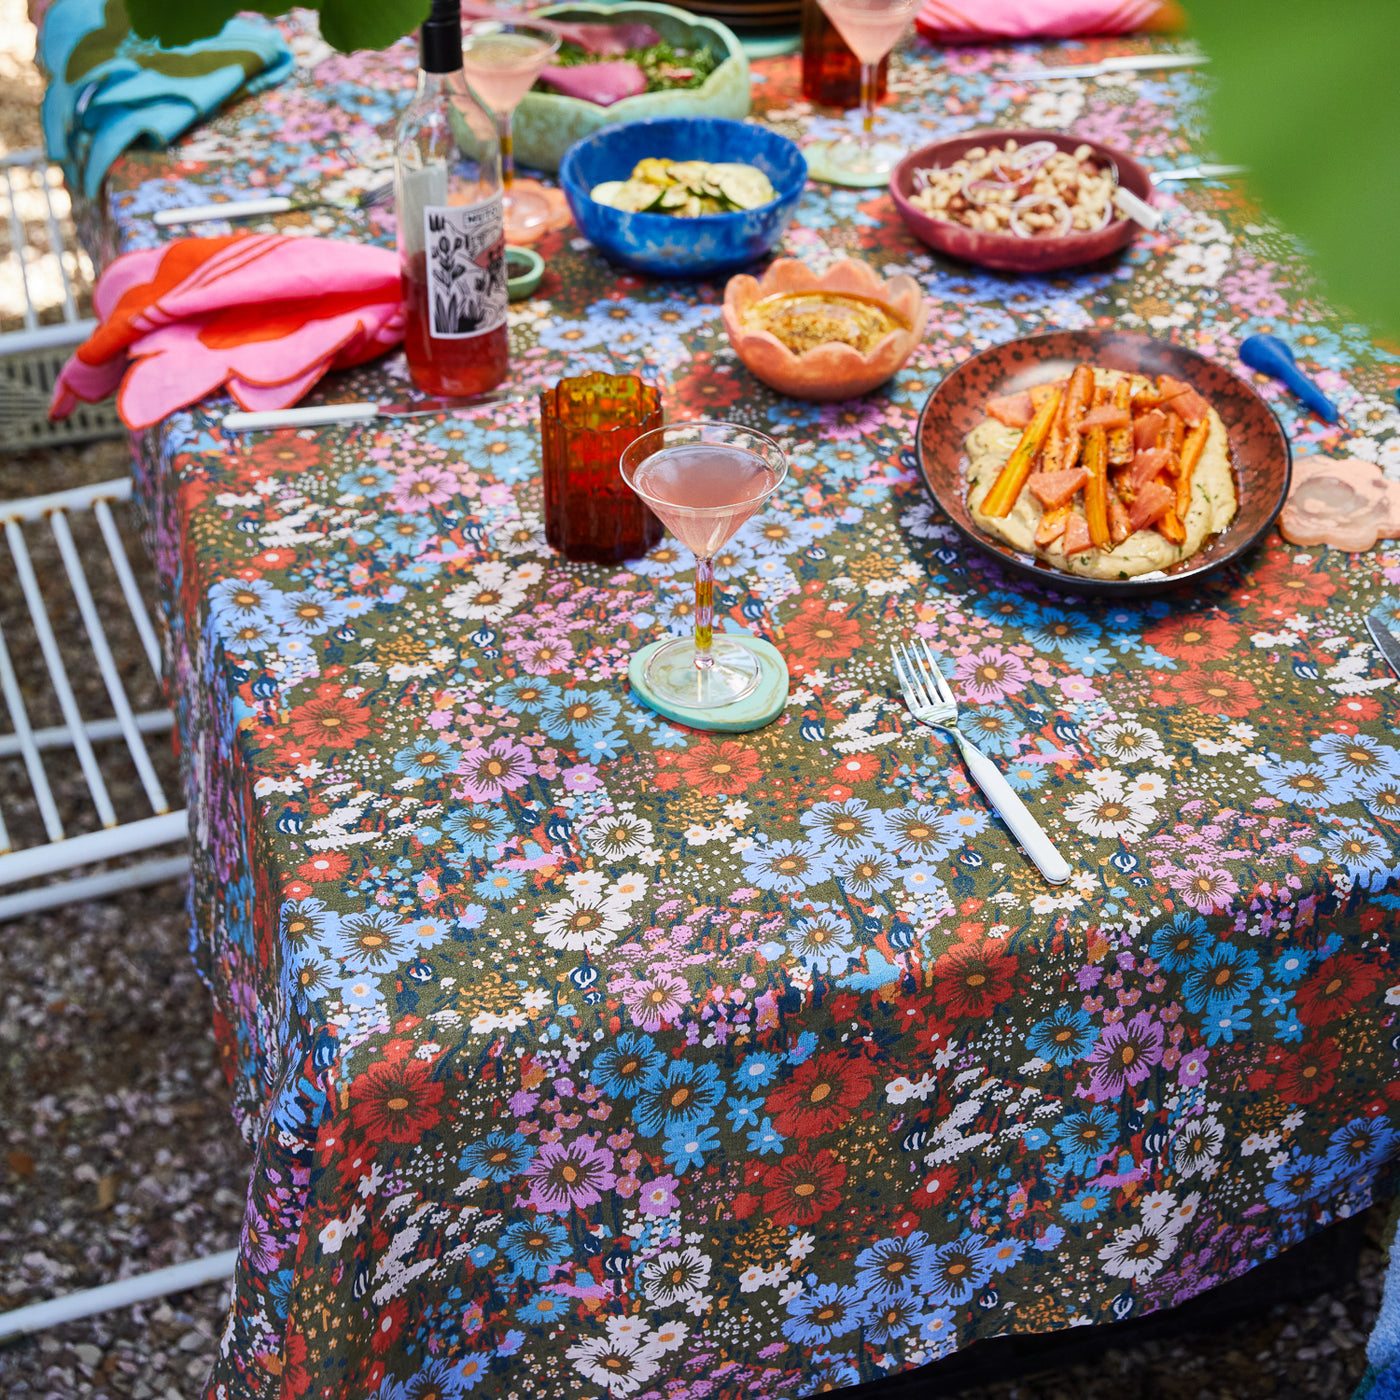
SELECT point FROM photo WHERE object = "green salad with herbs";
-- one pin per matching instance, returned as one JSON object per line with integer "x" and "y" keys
{"x": 666, "y": 67}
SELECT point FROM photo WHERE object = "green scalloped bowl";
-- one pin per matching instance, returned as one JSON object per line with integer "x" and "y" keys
{"x": 546, "y": 124}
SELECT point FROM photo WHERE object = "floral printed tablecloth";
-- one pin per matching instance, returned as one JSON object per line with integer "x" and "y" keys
{"x": 587, "y": 1056}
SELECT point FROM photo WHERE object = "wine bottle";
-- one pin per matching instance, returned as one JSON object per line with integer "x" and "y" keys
{"x": 447, "y": 186}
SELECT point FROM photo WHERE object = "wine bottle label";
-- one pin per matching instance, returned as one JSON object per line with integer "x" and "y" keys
{"x": 466, "y": 245}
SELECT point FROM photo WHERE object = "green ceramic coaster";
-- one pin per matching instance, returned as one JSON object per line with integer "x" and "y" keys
{"x": 524, "y": 269}
{"x": 762, "y": 706}
{"x": 818, "y": 169}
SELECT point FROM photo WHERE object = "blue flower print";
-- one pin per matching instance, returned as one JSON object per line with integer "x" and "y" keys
{"x": 1273, "y": 1001}
{"x": 428, "y": 758}
{"x": 497, "y": 1157}
{"x": 250, "y": 635}
{"x": 1007, "y": 609}
{"x": 1359, "y": 848}
{"x": 1033, "y": 1139}
{"x": 623, "y": 1067}
{"x": 509, "y": 454}
{"x": 1381, "y": 797}
{"x": 1290, "y": 966}
{"x": 373, "y": 940}
{"x": 499, "y": 885}
{"x": 308, "y": 613}
{"x": 1310, "y": 785}
{"x": 1289, "y": 1028}
{"x": 1298, "y": 1179}
{"x": 482, "y": 1255}
{"x": 742, "y": 1112}
{"x": 954, "y": 1272}
{"x": 545, "y": 1307}
{"x": 679, "y": 1095}
{"x": 235, "y": 600}
{"x": 1084, "y": 1135}
{"x": 360, "y": 992}
{"x": 894, "y": 1318}
{"x": 1058, "y": 628}
{"x": 993, "y": 728}
{"x": 759, "y": 1068}
{"x": 398, "y": 534}
{"x": 435, "y": 1379}
{"x": 478, "y": 829}
{"x": 469, "y": 1371}
{"x": 367, "y": 480}
{"x": 826, "y": 1312}
{"x": 865, "y": 873}
{"x": 1359, "y": 1145}
{"x": 1176, "y": 945}
{"x": 1087, "y": 1204}
{"x": 922, "y": 833}
{"x": 1357, "y": 757}
{"x": 1063, "y": 1038}
{"x": 891, "y": 1268}
{"x": 578, "y": 713}
{"x": 845, "y": 828}
{"x": 601, "y": 746}
{"x": 307, "y": 923}
{"x": 535, "y": 1246}
{"x": 842, "y": 461}
{"x": 1222, "y": 1025}
{"x": 1025, "y": 776}
{"x": 766, "y": 1138}
{"x": 786, "y": 867}
{"x": 823, "y": 940}
{"x": 686, "y": 1147}
{"x": 1221, "y": 976}
{"x": 525, "y": 695}
{"x": 417, "y": 571}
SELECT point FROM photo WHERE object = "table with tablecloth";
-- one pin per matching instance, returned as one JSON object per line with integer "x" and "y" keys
{"x": 587, "y": 1055}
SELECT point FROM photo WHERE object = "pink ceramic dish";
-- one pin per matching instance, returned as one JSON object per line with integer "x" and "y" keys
{"x": 1004, "y": 251}
{"x": 833, "y": 371}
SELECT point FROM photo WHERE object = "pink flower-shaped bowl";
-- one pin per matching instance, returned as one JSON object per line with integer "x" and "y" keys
{"x": 832, "y": 371}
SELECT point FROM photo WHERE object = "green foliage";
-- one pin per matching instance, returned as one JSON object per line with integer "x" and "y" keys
{"x": 1308, "y": 96}
{"x": 660, "y": 63}
{"x": 345, "y": 24}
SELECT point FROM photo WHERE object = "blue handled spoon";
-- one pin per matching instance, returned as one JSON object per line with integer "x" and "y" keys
{"x": 1271, "y": 356}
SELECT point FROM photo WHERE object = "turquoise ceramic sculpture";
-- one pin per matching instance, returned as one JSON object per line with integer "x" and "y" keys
{"x": 546, "y": 124}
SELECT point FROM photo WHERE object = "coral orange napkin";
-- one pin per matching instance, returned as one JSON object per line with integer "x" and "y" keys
{"x": 982, "y": 21}
{"x": 265, "y": 314}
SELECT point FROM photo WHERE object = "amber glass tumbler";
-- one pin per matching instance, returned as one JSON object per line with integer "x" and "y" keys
{"x": 830, "y": 71}
{"x": 590, "y": 514}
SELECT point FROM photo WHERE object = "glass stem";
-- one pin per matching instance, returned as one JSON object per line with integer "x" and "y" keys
{"x": 868, "y": 74}
{"x": 507, "y": 151}
{"x": 704, "y": 613}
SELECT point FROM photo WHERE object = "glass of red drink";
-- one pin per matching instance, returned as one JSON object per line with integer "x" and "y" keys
{"x": 704, "y": 479}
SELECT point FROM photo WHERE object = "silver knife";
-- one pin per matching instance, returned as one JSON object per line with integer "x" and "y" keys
{"x": 240, "y": 421}
{"x": 1386, "y": 640}
{"x": 1127, "y": 63}
{"x": 1198, "y": 172}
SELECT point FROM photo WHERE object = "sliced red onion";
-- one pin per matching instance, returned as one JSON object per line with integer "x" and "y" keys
{"x": 1031, "y": 157}
{"x": 1034, "y": 201}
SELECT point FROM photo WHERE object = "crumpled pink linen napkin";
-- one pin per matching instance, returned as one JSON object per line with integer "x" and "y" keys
{"x": 265, "y": 314}
{"x": 982, "y": 21}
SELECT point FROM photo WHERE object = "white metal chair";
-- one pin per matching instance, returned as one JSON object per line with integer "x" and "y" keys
{"x": 60, "y": 851}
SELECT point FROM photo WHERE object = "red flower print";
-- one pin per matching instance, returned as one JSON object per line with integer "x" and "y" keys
{"x": 727, "y": 767}
{"x": 1286, "y": 586}
{"x": 296, "y": 1379}
{"x": 1213, "y": 692}
{"x": 1307, "y": 1074}
{"x": 1359, "y": 709}
{"x": 935, "y": 1186}
{"x": 1194, "y": 639}
{"x": 1337, "y": 985}
{"x": 858, "y": 768}
{"x": 394, "y": 1102}
{"x": 818, "y": 634}
{"x": 291, "y": 453}
{"x": 325, "y": 865}
{"x": 391, "y": 1320}
{"x": 821, "y": 1095}
{"x": 704, "y": 387}
{"x": 803, "y": 1187}
{"x": 331, "y": 722}
{"x": 971, "y": 978}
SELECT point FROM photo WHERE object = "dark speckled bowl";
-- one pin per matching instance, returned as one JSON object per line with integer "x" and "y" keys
{"x": 1258, "y": 448}
{"x": 1004, "y": 251}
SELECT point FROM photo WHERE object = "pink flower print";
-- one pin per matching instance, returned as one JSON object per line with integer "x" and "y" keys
{"x": 418, "y": 488}
{"x": 991, "y": 674}
{"x": 1205, "y": 887}
{"x": 658, "y": 999}
{"x": 1077, "y": 687}
{"x": 569, "y": 1176}
{"x": 491, "y": 772}
{"x": 1193, "y": 1068}
{"x": 659, "y": 1196}
{"x": 1124, "y": 1055}
{"x": 855, "y": 418}
{"x": 583, "y": 778}
{"x": 543, "y": 655}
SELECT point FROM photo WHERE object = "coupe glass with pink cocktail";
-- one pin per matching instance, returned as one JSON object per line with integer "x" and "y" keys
{"x": 703, "y": 480}
{"x": 501, "y": 61}
{"x": 871, "y": 28}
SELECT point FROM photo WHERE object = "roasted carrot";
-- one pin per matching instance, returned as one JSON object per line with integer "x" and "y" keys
{"x": 1170, "y": 527}
{"x": 1053, "y": 522}
{"x": 1191, "y": 451}
{"x": 1062, "y": 445}
{"x": 1120, "y": 440}
{"x": 1096, "y": 488}
{"x": 1171, "y": 437}
{"x": 1040, "y": 392}
{"x": 1007, "y": 487}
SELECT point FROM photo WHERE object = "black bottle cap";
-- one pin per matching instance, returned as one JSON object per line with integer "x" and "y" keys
{"x": 440, "y": 39}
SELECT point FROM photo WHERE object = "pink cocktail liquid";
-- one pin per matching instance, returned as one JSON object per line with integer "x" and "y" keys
{"x": 704, "y": 491}
{"x": 870, "y": 27}
{"x": 502, "y": 68}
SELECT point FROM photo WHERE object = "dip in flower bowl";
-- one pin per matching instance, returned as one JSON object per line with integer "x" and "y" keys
{"x": 669, "y": 245}
{"x": 823, "y": 336}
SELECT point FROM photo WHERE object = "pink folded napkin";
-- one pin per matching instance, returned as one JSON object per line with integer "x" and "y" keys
{"x": 264, "y": 314}
{"x": 981, "y": 21}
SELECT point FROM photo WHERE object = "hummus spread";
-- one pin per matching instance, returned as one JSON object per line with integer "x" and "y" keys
{"x": 1213, "y": 506}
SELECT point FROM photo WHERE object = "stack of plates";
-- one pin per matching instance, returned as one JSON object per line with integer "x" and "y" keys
{"x": 750, "y": 16}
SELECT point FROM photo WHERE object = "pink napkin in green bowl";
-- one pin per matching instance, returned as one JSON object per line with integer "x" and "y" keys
{"x": 265, "y": 315}
{"x": 986, "y": 21}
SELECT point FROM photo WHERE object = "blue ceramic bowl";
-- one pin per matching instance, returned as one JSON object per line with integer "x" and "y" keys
{"x": 671, "y": 247}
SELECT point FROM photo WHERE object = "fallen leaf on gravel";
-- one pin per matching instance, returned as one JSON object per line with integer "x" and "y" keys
{"x": 21, "y": 1163}
{"x": 106, "y": 1192}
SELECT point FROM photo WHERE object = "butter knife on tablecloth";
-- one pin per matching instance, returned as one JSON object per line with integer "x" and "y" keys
{"x": 1386, "y": 640}
{"x": 240, "y": 422}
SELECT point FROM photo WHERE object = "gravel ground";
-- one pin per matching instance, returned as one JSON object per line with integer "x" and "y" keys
{"x": 120, "y": 1153}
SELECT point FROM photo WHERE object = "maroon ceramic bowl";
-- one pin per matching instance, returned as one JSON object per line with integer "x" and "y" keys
{"x": 1004, "y": 251}
{"x": 1258, "y": 447}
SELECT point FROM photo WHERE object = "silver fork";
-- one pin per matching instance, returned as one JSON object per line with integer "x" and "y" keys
{"x": 931, "y": 701}
{"x": 273, "y": 204}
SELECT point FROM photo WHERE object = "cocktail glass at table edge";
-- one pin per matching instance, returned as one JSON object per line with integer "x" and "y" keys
{"x": 501, "y": 61}
{"x": 704, "y": 480}
{"x": 871, "y": 28}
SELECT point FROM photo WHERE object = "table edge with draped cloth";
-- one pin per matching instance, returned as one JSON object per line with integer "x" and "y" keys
{"x": 1040, "y": 1112}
